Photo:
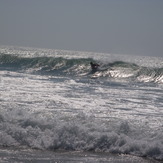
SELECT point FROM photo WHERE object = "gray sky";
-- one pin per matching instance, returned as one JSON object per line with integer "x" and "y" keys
{"x": 110, "y": 26}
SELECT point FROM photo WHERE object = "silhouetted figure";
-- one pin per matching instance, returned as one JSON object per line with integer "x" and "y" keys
{"x": 94, "y": 66}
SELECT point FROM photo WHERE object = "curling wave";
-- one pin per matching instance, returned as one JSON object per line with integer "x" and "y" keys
{"x": 80, "y": 66}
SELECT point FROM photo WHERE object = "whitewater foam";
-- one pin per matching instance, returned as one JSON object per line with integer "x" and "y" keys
{"x": 47, "y": 104}
{"x": 80, "y": 67}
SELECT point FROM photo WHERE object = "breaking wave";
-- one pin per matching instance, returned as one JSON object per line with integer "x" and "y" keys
{"x": 81, "y": 67}
{"x": 81, "y": 133}
{"x": 72, "y": 115}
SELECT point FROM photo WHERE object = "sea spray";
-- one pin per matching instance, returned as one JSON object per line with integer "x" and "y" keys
{"x": 55, "y": 102}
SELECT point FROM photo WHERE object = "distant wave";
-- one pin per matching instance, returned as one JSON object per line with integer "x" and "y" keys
{"x": 80, "y": 67}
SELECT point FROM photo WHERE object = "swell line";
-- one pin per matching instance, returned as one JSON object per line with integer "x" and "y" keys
{"x": 81, "y": 66}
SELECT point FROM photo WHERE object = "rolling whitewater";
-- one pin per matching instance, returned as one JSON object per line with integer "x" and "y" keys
{"x": 52, "y": 101}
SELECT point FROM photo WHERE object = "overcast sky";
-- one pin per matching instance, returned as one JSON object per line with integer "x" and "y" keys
{"x": 110, "y": 26}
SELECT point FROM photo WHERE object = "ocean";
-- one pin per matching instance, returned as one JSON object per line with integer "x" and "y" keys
{"x": 54, "y": 108}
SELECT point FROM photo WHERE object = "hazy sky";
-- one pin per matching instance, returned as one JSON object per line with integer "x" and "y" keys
{"x": 110, "y": 26}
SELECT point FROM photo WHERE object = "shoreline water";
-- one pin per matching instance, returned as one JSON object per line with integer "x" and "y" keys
{"x": 19, "y": 155}
{"x": 57, "y": 103}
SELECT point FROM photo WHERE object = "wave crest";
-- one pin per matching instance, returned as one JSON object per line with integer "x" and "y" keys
{"x": 80, "y": 66}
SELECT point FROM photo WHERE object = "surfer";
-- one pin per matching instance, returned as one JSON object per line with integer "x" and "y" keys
{"x": 94, "y": 66}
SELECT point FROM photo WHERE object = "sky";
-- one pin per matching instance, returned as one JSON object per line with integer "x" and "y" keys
{"x": 132, "y": 27}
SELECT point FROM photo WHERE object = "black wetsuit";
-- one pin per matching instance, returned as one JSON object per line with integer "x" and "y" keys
{"x": 94, "y": 66}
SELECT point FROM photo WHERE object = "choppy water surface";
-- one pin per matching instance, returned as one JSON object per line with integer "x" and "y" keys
{"x": 51, "y": 100}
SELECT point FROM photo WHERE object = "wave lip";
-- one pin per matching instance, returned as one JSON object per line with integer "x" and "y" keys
{"x": 80, "y": 67}
{"x": 150, "y": 75}
{"x": 132, "y": 72}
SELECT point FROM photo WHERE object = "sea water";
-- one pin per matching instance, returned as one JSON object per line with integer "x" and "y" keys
{"x": 54, "y": 108}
